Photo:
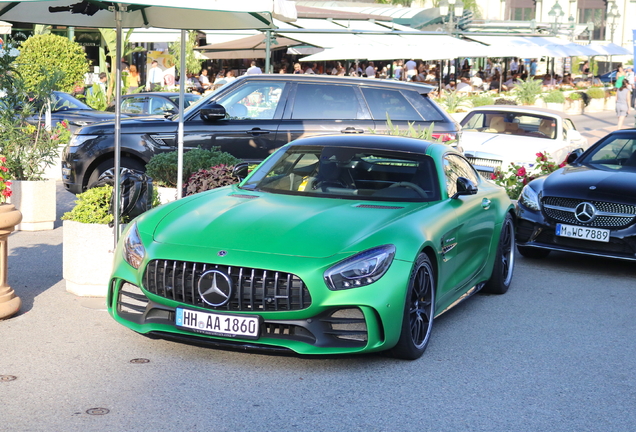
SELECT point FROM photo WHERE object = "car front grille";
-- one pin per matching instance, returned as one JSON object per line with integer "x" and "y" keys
{"x": 253, "y": 289}
{"x": 562, "y": 210}
{"x": 484, "y": 165}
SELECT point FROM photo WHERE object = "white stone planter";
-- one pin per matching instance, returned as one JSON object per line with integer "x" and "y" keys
{"x": 539, "y": 103}
{"x": 610, "y": 103}
{"x": 87, "y": 258}
{"x": 574, "y": 107}
{"x": 55, "y": 171}
{"x": 595, "y": 105}
{"x": 554, "y": 106}
{"x": 36, "y": 202}
{"x": 166, "y": 195}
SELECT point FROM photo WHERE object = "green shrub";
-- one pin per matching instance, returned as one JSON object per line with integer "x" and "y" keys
{"x": 92, "y": 206}
{"x": 574, "y": 96}
{"x": 162, "y": 168}
{"x": 454, "y": 102}
{"x": 596, "y": 93}
{"x": 555, "y": 96}
{"x": 481, "y": 100}
{"x": 212, "y": 178}
{"x": 41, "y": 55}
{"x": 526, "y": 92}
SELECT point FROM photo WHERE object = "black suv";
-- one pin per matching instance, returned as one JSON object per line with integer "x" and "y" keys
{"x": 253, "y": 116}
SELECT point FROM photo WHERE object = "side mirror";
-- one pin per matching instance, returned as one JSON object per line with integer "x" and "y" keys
{"x": 574, "y": 135}
{"x": 212, "y": 112}
{"x": 240, "y": 170}
{"x": 170, "y": 112}
{"x": 574, "y": 155}
{"x": 464, "y": 187}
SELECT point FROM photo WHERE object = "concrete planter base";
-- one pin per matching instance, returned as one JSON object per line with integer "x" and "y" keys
{"x": 610, "y": 103}
{"x": 574, "y": 107}
{"x": 595, "y": 105}
{"x": 555, "y": 106}
{"x": 166, "y": 195}
{"x": 87, "y": 258}
{"x": 36, "y": 202}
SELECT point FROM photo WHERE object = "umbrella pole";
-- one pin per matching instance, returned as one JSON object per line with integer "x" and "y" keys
{"x": 117, "y": 185}
{"x": 182, "y": 80}
{"x": 268, "y": 48}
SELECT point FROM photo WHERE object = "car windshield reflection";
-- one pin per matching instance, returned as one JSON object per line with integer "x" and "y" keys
{"x": 349, "y": 173}
{"x": 510, "y": 123}
{"x": 615, "y": 154}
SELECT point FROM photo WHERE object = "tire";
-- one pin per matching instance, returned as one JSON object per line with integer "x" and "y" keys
{"x": 419, "y": 311}
{"x": 110, "y": 163}
{"x": 504, "y": 260}
{"x": 534, "y": 253}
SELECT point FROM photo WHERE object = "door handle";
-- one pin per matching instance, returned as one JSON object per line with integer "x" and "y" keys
{"x": 257, "y": 131}
{"x": 485, "y": 203}
{"x": 351, "y": 129}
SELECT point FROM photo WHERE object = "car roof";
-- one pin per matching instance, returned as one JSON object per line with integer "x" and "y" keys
{"x": 371, "y": 141}
{"x": 520, "y": 109}
{"x": 164, "y": 94}
{"x": 311, "y": 78}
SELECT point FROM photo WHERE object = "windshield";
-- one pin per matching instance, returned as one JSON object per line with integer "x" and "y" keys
{"x": 347, "y": 172}
{"x": 63, "y": 102}
{"x": 614, "y": 154}
{"x": 511, "y": 123}
{"x": 188, "y": 100}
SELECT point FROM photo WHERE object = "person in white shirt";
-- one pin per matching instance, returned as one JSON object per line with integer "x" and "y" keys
{"x": 370, "y": 70}
{"x": 512, "y": 82}
{"x": 464, "y": 86}
{"x": 154, "y": 77}
{"x": 476, "y": 81}
{"x": 253, "y": 69}
{"x": 411, "y": 69}
{"x": 204, "y": 80}
{"x": 514, "y": 66}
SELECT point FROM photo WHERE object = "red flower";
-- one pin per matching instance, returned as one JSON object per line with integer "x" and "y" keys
{"x": 4, "y": 168}
{"x": 3, "y": 159}
{"x": 493, "y": 176}
{"x": 562, "y": 164}
{"x": 521, "y": 172}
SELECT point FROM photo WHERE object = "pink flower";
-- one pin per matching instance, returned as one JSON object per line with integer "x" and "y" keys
{"x": 493, "y": 176}
{"x": 521, "y": 172}
{"x": 4, "y": 168}
{"x": 562, "y": 164}
{"x": 3, "y": 159}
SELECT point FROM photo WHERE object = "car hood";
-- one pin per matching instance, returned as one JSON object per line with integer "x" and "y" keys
{"x": 272, "y": 223}
{"x": 509, "y": 148}
{"x": 132, "y": 125}
{"x": 90, "y": 115}
{"x": 584, "y": 182}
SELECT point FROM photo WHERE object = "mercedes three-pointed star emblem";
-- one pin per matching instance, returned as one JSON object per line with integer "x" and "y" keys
{"x": 585, "y": 212}
{"x": 215, "y": 288}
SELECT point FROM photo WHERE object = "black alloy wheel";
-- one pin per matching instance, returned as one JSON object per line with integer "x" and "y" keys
{"x": 419, "y": 311}
{"x": 504, "y": 261}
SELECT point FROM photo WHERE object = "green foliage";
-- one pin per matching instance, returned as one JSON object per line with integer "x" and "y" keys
{"x": 527, "y": 91}
{"x": 555, "y": 96}
{"x": 574, "y": 96}
{"x": 482, "y": 100}
{"x": 212, "y": 178}
{"x": 109, "y": 36}
{"x": 92, "y": 206}
{"x": 42, "y": 55}
{"x": 454, "y": 102}
{"x": 193, "y": 65}
{"x": 596, "y": 93}
{"x": 419, "y": 133}
{"x": 162, "y": 168}
{"x": 96, "y": 98}
{"x": 517, "y": 176}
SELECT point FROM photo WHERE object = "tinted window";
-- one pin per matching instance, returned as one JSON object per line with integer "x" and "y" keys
{"x": 511, "y": 123}
{"x": 454, "y": 167}
{"x": 255, "y": 100}
{"x": 426, "y": 107}
{"x": 325, "y": 102}
{"x": 383, "y": 102}
{"x": 614, "y": 153}
{"x": 160, "y": 105}
{"x": 346, "y": 172}
{"x": 135, "y": 105}
{"x": 62, "y": 101}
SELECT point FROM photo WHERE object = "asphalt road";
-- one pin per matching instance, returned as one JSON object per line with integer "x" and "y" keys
{"x": 556, "y": 353}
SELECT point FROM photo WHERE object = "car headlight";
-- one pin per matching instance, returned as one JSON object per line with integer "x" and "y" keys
{"x": 133, "y": 250}
{"x": 79, "y": 123}
{"x": 77, "y": 140}
{"x": 529, "y": 198}
{"x": 361, "y": 269}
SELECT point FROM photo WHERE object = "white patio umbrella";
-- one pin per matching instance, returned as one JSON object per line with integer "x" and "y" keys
{"x": 171, "y": 14}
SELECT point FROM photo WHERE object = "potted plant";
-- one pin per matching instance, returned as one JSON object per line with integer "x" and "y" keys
{"x": 527, "y": 91}
{"x": 162, "y": 168}
{"x": 597, "y": 100}
{"x": 554, "y": 100}
{"x": 88, "y": 243}
{"x": 212, "y": 178}
{"x": 456, "y": 104}
{"x": 29, "y": 149}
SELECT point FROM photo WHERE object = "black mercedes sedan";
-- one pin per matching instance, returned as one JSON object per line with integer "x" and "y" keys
{"x": 587, "y": 207}
{"x": 253, "y": 116}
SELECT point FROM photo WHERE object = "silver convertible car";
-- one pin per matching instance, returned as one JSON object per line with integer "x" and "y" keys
{"x": 497, "y": 135}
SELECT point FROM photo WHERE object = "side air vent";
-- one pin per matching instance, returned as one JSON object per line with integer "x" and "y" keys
{"x": 375, "y": 206}
{"x": 244, "y": 196}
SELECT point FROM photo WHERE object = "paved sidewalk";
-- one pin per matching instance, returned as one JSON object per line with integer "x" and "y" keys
{"x": 595, "y": 126}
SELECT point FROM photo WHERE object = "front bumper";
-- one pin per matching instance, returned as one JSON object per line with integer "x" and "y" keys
{"x": 536, "y": 230}
{"x": 364, "y": 319}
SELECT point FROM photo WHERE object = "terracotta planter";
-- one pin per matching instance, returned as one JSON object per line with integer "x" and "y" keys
{"x": 166, "y": 195}
{"x": 9, "y": 302}
{"x": 36, "y": 201}
{"x": 87, "y": 258}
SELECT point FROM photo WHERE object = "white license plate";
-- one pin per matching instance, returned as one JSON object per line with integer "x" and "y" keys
{"x": 594, "y": 234}
{"x": 242, "y": 326}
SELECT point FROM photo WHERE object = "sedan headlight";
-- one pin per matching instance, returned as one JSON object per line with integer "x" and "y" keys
{"x": 77, "y": 140}
{"x": 134, "y": 250}
{"x": 361, "y": 269}
{"x": 529, "y": 198}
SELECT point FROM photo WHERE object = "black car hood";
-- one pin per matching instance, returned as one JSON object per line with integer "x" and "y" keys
{"x": 591, "y": 183}
{"x": 93, "y": 115}
{"x": 132, "y": 125}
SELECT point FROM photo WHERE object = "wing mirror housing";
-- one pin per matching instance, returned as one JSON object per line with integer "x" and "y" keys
{"x": 464, "y": 187}
{"x": 212, "y": 112}
{"x": 574, "y": 135}
{"x": 240, "y": 170}
{"x": 574, "y": 155}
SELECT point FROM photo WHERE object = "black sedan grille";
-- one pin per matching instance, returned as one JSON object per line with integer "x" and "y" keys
{"x": 253, "y": 289}
{"x": 562, "y": 210}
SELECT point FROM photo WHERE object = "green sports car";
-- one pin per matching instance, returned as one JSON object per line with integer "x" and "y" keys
{"x": 333, "y": 245}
